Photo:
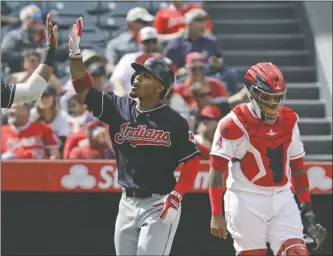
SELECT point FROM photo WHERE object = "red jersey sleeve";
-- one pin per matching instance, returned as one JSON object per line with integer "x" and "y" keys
{"x": 160, "y": 22}
{"x": 49, "y": 137}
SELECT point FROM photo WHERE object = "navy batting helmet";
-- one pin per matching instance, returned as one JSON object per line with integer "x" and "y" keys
{"x": 159, "y": 69}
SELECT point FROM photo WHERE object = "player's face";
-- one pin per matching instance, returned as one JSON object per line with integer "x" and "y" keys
{"x": 146, "y": 86}
{"x": 270, "y": 103}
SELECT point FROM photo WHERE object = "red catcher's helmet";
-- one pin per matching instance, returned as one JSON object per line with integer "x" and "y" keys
{"x": 266, "y": 89}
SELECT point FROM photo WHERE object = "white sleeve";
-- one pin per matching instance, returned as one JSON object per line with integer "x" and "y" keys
{"x": 223, "y": 147}
{"x": 296, "y": 147}
{"x": 30, "y": 90}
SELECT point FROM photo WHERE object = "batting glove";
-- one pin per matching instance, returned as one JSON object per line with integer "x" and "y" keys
{"x": 171, "y": 204}
{"x": 312, "y": 228}
{"x": 75, "y": 38}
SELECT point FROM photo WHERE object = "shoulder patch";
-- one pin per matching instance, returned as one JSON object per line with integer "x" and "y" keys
{"x": 229, "y": 129}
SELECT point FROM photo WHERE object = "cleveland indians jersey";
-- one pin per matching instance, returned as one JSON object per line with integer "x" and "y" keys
{"x": 7, "y": 94}
{"x": 148, "y": 145}
{"x": 259, "y": 153}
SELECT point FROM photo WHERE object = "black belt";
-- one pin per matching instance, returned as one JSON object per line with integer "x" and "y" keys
{"x": 139, "y": 193}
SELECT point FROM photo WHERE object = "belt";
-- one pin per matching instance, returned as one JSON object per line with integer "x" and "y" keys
{"x": 139, "y": 193}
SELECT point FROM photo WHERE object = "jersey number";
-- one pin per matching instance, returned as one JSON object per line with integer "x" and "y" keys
{"x": 276, "y": 162}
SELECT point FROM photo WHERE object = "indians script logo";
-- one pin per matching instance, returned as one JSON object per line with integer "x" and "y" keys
{"x": 142, "y": 136}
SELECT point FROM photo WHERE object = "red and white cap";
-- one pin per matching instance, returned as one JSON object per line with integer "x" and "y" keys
{"x": 148, "y": 33}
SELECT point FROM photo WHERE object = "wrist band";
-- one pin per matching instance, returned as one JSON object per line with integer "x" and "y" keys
{"x": 48, "y": 56}
{"x": 215, "y": 195}
{"x": 84, "y": 83}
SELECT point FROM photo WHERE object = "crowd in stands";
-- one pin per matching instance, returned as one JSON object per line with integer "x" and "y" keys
{"x": 58, "y": 126}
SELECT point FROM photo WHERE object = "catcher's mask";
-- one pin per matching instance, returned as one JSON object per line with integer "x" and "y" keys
{"x": 266, "y": 89}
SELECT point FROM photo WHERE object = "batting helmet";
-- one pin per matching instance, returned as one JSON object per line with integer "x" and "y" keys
{"x": 159, "y": 69}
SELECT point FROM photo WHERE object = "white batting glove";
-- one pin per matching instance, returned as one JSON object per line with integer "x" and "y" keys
{"x": 171, "y": 204}
{"x": 75, "y": 38}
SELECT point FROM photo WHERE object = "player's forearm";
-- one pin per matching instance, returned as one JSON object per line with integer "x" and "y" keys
{"x": 216, "y": 182}
{"x": 300, "y": 180}
{"x": 81, "y": 79}
{"x": 187, "y": 176}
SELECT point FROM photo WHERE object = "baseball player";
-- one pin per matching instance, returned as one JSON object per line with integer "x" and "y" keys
{"x": 34, "y": 87}
{"x": 261, "y": 143}
{"x": 150, "y": 140}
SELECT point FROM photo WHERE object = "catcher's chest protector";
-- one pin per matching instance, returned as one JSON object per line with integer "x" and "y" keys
{"x": 271, "y": 141}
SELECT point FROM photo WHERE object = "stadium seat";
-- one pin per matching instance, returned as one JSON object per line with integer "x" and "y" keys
{"x": 97, "y": 9}
{"x": 118, "y": 9}
{"x": 72, "y": 9}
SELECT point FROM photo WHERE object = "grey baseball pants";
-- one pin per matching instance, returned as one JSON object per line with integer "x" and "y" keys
{"x": 139, "y": 228}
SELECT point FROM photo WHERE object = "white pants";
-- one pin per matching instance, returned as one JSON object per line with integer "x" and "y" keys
{"x": 139, "y": 229}
{"x": 255, "y": 219}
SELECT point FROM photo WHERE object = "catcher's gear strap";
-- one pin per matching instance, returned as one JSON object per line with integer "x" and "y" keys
{"x": 255, "y": 252}
{"x": 294, "y": 246}
{"x": 300, "y": 180}
{"x": 187, "y": 175}
{"x": 84, "y": 83}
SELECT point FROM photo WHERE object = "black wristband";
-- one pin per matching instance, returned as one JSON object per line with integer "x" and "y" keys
{"x": 48, "y": 56}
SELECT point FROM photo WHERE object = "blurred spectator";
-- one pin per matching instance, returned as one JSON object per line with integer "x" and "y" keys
{"x": 77, "y": 114}
{"x": 208, "y": 120}
{"x": 136, "y": 18}
{"x": 177, "y": 103}
{"x": 97, "y": 145}
{"x": 170, "y": 21}
{"x": 29, "y": 36}
{"x": 121, "y": 76}
{"x": 47, "y": 110}
{"x": 23, "y": 139}
{"x": 6, "y": 19}
{"x": 89, "y": 57}
{"x": 82, "y": 134}
{"x": 216, "y": 68}
{"x": 195, "y": 70}
{"x": 98, "y": 73}
{"x": 194, "y": 39}
{"x": 31, "y": 60}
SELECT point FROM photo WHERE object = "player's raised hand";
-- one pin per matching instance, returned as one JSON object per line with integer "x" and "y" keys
{"x": 51, "y": 32}
{"x": 75, "y": 38}
{"x": 218, "y": 227}
{"x": 171, "y": 204}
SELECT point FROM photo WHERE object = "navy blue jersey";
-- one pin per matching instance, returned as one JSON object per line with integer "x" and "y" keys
{"x": 148, "y": 145}
{"x": 7, "y": 94}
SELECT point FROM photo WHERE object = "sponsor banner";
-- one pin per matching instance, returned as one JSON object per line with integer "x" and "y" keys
{"x": 99, "y": 176}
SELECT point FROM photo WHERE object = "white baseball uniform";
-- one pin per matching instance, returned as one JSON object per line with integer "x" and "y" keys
{"x": 259, "y": 204}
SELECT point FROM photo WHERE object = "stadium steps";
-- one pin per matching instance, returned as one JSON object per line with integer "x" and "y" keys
{"x": 251, "y": 32}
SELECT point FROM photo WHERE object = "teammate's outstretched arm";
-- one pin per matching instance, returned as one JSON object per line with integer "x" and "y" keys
{"x": 37, "y": 83}
{"x": 81, "y": 79}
